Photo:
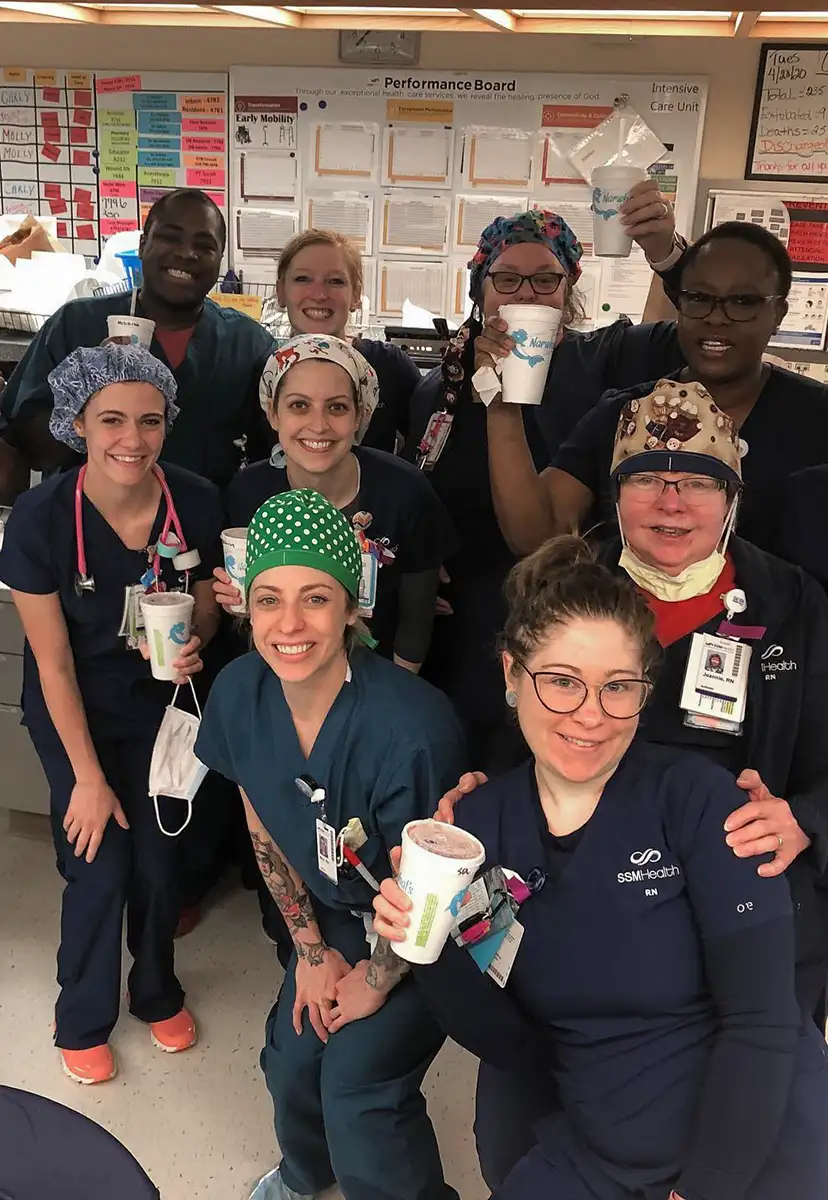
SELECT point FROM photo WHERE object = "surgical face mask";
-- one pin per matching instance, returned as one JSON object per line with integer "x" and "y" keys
{"x": 174, "y": 770}
{"x": 695, "y": 580}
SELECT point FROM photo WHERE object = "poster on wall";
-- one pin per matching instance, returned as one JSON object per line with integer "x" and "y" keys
{"x": 789, "y": 126}
{"x": 158, "y": 131}
{"x": 48, "y": 151}
{"x": 417, "y": 163}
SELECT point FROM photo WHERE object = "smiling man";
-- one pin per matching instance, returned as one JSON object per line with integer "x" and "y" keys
{"x": 216, "y": 354}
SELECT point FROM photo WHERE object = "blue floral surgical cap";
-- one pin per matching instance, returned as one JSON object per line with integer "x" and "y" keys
{"x": 89, "y": 369}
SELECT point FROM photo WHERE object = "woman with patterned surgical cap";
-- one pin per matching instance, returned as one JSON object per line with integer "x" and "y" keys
{"x": 79, "y": 550}
{"x": 334, "y": 750}
{"x": 530, "y": 258}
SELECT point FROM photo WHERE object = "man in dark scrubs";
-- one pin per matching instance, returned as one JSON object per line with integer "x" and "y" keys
{"x": 216, "y": 354}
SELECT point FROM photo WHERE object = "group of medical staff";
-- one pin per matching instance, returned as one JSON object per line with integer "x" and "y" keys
{"x": 656, "y": 696}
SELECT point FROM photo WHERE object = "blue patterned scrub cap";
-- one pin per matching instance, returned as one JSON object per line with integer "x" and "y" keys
{"x": 535, "y": 225}
{"x": 88, "y": 369}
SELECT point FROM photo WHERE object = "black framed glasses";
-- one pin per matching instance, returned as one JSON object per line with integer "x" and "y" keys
{"x": 747, "y": 307}
{"x": 542, "y": 283}
{"x": 696, "y": 489}
{"x": 559, "y": 693}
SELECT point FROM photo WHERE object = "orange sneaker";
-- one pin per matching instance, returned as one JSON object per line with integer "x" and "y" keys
{"x": 175, "y": 1034}
{"x": 95, "y": 1065}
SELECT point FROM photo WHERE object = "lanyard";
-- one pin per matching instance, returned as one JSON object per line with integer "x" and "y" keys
{"x": 85, "y": 582}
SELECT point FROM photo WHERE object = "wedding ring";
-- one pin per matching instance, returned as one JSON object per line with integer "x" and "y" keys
{"x": 666, "y": 208}
{"x": 779, "y": 839}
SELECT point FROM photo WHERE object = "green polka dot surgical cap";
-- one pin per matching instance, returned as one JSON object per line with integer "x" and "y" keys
{"x": 303, "y": 529}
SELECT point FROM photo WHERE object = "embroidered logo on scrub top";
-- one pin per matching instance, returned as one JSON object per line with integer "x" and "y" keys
{"x": 375, "y": 554}
{"x": 771, "y": 663}
{"x": 648, "y": 871}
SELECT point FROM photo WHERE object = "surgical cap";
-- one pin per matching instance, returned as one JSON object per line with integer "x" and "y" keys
{"x": 88, "y": 369}
{"x": 317, "y": 347}
{"x": 537, "y": 225}
{"x": 303, "y": 529}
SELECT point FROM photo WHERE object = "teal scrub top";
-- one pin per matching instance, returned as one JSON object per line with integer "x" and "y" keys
{"x": 221, "y": 418}
{"x": 389, "y": 748}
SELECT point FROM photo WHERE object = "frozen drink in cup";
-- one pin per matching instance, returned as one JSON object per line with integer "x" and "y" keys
{"x": 167, "y": 620}
{"x": 438, "y": 864}
{"x": 610, "y": 188}
{"x": 533, "y": 328}
{"x": 234, "y": 543}
{"x": 130, "y": 331}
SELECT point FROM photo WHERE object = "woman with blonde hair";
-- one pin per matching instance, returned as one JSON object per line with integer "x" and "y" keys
{"x": 320, "y": 284}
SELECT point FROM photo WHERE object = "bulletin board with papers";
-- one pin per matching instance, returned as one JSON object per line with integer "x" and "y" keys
{"x": 96, "y": 149}
{"x": 789, "y": 128}
{"x": 801, "y": 224}
{"x": 414, "y": 166}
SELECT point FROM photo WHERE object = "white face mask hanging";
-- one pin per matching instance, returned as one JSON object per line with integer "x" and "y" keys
{"x": 174, "y": 769}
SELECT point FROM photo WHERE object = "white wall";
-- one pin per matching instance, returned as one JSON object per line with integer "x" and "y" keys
{"x": 730, "y": 65}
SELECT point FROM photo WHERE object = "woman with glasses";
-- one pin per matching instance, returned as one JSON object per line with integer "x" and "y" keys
{"x": 744, "y": 681}
{"x": 731, "y": 293}
{"x": 530, "y": 258}
{"x": 648, "y": 1021}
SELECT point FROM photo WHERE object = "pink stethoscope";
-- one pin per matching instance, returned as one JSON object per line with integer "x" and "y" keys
{"x": 173, "y": 547}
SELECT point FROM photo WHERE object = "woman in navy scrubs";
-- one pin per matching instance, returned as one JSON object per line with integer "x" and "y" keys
{"x": 320, "y": 394}
{"x": 652, "y": 993}
{"x": 319, "y": 284}
{"x": 330, "y": 745}
{"x": 75, "y": 548}
{"x": 531, "y": 258}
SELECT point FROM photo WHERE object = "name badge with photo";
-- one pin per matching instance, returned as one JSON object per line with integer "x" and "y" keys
{"x": 714, "y": 691}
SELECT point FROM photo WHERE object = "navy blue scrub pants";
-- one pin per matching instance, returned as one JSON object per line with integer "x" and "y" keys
{"x": 134, "y": 868}
{"x": 351, "y": 1112}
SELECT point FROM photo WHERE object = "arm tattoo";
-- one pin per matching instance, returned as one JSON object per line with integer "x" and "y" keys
{"x": 293, "y": 901}
{"x": 386, "y": 968}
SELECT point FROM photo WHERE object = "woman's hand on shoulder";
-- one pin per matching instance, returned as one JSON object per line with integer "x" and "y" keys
{"x": 225, "y": 591}
{"x": 467, "y": 783}
{"x": 765, "y": 825}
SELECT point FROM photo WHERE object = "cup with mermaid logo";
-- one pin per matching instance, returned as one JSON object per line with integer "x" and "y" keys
{"x": 534, "y": 329}
{"x": 610, "y": 188}
{"x": 168, "y": 617}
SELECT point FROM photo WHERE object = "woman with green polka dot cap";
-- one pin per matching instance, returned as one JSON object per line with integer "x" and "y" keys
{"x": 327, "y": 740}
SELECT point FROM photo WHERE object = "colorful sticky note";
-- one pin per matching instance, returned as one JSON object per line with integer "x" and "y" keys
{"x": 52, "y": 191}
{"x": 112, "y": 225}
{"x": 82, "y": 116}
{"x": 153, "y": 158}
{"x": 204, "y": 145}
{"x": 57, "y": 206}
{"x": 81, "y": 196}
{"x": 217, "y": 198}
{"x": 118, "y": 140}
{"x": 45, "y": 78}
{"x": 63, "y": 229}
{"x": 159, "y": 122}
{"x": 49, "y": 119}
{"x": 77, "y": 79}
{"x": 155, "y": 101}
{"x": 204, "y": 162}
{"x": 203, "y": 105}
{"x": 14, "y": 75}
{"x": 159, "y": 143}
{"x": 150, "y": 177}
{"x": 78, "y": 136}
{"x": 117, "y": 172}
{"x": 84, "y": 212}
{"x": 81, "y": 158}
{"x": 203, "y": 125}
{"x": 205, "y": 179}
{"x": 85, "y": 233}
{"x": 49, "y": 151}
{"x": 119, "y": 189}
{"x": 51, "y": 95}
{"x": 115, "y": 118}
{"x": 117, "y": 83}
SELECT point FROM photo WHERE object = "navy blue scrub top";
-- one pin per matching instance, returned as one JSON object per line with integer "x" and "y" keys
{"x": 39, "y": 556}
{"x": 218, "y": 382}
{"x": 612, "y": 974}
{"x": 785, "y": 431}
{"x": 395, "y": 507}
{"x": 398, "y": 376}
{"x": 389, "y": 748}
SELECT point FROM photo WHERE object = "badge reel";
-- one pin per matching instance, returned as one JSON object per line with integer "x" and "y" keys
{"x": 368, "y": 585}
{"x": 714, "y": 691}
{"x": 434, "y": 439}
{"x": 327, "y": 850}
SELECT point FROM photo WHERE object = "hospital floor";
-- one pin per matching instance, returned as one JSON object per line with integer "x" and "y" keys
{"x": 200, "y": 1123}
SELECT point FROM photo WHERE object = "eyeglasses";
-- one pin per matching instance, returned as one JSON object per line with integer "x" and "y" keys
{"x": 543, "y": 283}
{"x": 698, "y": 305}
{"x": 619, "y": 698}
{"x": 697, "y": 490}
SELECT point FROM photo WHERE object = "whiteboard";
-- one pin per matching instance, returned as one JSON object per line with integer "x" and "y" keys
{"x": 420, "y": 161}
{"x": 789, "y": 128}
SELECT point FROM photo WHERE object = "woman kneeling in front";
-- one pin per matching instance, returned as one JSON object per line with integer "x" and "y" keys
{"x": 654, "y": 985}
{"x": 334, "y": 750}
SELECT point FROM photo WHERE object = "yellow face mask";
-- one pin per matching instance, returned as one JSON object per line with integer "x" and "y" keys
{"x": 695, "y": 580}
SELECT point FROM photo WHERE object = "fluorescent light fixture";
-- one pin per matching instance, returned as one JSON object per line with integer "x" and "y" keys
{"x": 622, "y": 14}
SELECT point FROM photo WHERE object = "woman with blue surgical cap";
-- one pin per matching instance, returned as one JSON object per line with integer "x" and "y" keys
{"x": 79, "y": 551}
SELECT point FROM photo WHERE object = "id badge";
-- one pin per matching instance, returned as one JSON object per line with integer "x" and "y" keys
{"x": 326, "y": 850}
{"x": 368, "y": 585}
{"x": 500, "y": 968}
{"x": 132, "y": 618}
{"x": 434, "y": 439}
{"x": 714, "y": 692}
